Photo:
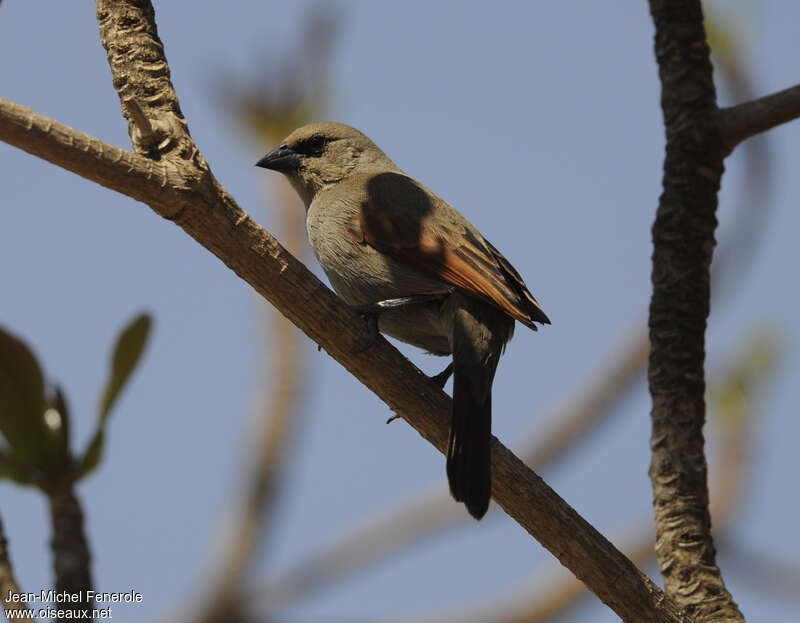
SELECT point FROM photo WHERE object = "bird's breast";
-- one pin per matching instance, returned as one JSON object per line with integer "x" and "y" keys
{"x": 359, "y": 273}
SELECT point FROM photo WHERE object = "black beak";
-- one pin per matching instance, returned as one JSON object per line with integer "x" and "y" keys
{"x": 280, "y": 159}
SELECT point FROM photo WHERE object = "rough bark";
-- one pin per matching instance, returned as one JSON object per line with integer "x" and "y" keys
{"x": 683, "y": 241}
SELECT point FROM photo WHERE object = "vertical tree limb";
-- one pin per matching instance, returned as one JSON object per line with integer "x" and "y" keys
{"x": 71, "y": 558}
{"x": 683, "y": 241}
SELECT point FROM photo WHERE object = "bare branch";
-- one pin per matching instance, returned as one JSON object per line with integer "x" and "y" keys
{"x": 211, "y": 216}
{"x": 740, "y": 122}
{"x": 8, "y": 583}
{"x": 161, "y": 185}
{"x": 683, "y": 240}
{"x": 433, "y": 511}
{"x": 214, "y": 219}
{"x": 551, "y": 595}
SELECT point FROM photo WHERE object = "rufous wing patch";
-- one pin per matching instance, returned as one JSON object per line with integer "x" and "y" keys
{"x": 403, "y": 221}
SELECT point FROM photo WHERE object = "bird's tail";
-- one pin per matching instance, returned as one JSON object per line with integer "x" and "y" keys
{"x": 468, "y": 464}
{"x": 479, "y": 334}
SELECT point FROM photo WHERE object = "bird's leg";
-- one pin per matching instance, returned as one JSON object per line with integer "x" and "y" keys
{"x": 372, "y": 312}
{"x": 441, "y": 378}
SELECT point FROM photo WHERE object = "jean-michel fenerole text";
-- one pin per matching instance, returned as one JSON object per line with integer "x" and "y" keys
{"x": 64, "y": 597}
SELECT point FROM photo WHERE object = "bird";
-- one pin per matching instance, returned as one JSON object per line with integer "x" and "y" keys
{"x": 418, "y": 271}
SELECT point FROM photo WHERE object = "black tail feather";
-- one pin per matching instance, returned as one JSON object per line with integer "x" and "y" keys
{"x": 479, "y": 333}
{"x": 468, "y": 451}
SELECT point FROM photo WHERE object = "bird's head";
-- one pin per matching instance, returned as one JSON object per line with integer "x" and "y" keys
{"x": 319, "y": 155}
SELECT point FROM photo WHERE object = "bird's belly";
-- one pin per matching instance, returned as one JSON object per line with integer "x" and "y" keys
{"x": 419, "y": 324}
{"x": 361, "y": 275}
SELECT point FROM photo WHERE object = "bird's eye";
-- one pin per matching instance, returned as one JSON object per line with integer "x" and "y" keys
{"x": 313, "y": 146}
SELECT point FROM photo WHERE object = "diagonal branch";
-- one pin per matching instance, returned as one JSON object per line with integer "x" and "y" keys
{"x": 550, "y": 596}
{"x": 433, "y": 512}
{"x": 740, "y": 122}
{"x": 210, "y": 215}
{"x": 683, "y": 241}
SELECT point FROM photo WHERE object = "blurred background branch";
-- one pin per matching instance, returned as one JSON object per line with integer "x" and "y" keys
{"x": 293, "y": 91}
{"x": 8, "y": 583}
{"x": 35, "y": 422}
{"x": 736, "y": 399}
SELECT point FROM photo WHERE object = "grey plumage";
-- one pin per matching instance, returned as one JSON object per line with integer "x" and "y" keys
{"x": 378, "y": 234}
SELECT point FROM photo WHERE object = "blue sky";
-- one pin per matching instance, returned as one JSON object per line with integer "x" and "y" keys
{"x": 540, "y": 122}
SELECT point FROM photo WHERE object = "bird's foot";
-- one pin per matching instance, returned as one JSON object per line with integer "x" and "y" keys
{"x": 372, "y": 312}
{"x": 371, "y": 317}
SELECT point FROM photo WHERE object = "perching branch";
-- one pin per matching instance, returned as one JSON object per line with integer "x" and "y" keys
{"x": 226, "y": 230}
{"x": 433, "y": 511}
{"x": 550, "y": 596}
{"x": 738, "y": 123}
{"x": 181, "y": 187}
{"x": 683, "y": 240}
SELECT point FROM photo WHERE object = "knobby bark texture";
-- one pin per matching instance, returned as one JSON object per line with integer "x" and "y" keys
{"x": 683, "y": 241}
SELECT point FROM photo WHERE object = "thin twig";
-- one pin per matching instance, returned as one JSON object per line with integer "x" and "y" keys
{"x": 740, "y": 122}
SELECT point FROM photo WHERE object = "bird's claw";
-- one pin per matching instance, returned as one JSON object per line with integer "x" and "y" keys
{"x": 370, "y": 313}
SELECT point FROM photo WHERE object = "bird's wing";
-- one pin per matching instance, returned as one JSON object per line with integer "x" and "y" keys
{"x": 404, "y": 220}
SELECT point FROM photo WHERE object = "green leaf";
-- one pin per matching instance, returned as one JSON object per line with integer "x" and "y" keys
{"x": 127, "y": 351}
{"x": 93, "y": 454}
{"x": 13, "y": 470}
{"x": 22, "y": 400}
